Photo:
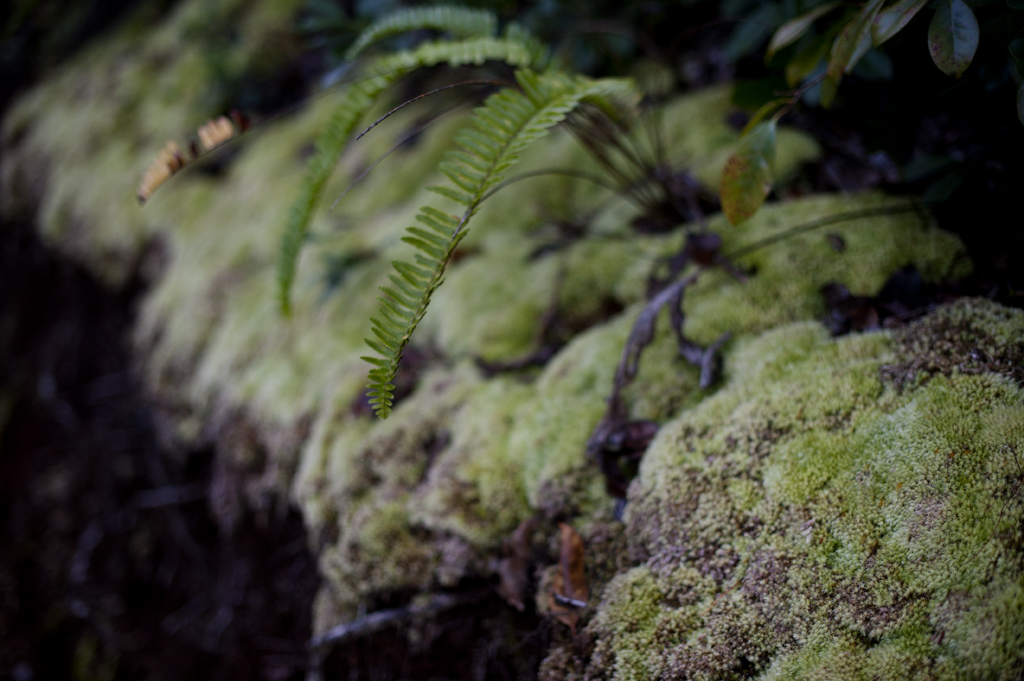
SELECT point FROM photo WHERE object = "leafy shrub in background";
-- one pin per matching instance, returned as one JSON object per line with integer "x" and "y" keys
{"x": 827, "y": 42}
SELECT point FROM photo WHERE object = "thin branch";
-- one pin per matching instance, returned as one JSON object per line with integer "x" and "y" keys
{"x": 641, "y": 336}
{"x": 598, "y": 124}
{"x": 377, "y": 621}
{"x": 169, "y": 495}
{"x": 795, "y": 95}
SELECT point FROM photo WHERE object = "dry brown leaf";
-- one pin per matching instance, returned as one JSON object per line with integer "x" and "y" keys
{"x": 216, "y": 132}
{"x": 513, "y": 569}
{"x": 169, "y": 161}
{"x": 568, "y": 594}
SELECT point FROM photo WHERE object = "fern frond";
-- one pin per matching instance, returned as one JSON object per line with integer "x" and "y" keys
{"x": 619, "y": 102}
{"x": 358, "y": 99}
{"x": 508, "y": 122}
{"x": 461, "y": 22}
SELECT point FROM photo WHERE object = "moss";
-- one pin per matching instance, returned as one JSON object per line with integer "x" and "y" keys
{"x": 966, "y": 337}
{"x": 809, "y": 522}
{"x": 796, "y": 269}
{"x": 464, "y": 319}
{"x": 703, "y": 140}
{"x": 553, "y": 427}
{"x": 536, "y": 434}
{"x": 632, "y": 609}
{"x": 987, "y": 639}
{"x": 474, "y": 488}
{"x": 377, "y": 553}
{"x": 777, "y": 519}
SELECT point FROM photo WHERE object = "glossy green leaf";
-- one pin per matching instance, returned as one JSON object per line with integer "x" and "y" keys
{"x": 852, "y": 43}
{"x": 806, "y": 60}
{"x": 752, "y": 94}
{"x": 791, "y": 31}
{"x": 924, "y": 165}
{"x": 953, "y": 37}
{"x": 892, "y": 19}
{"x": 943, "y": 188}
{"x": 764, "y": 112}
{"x": 748, "y": 173}
{"x": 1015, "y": 4}
{"x": 751, "y": 32}
{"x": 829, "y": 89}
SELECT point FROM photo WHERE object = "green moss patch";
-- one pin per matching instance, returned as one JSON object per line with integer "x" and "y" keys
{"x": 810, "y": 521}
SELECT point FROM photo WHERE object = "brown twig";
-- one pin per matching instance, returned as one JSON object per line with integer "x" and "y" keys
{"x": 382, "y": 619}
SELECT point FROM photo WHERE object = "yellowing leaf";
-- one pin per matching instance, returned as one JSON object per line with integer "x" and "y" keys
{"x": 854, "y": 40}
{"x": 850, "y": 45}
{"x": 953, "y": 37}
{"x": 571, "y": 560}
{"x": 791, "y": 31}
{"x": 748, "y": 173}
{"x": 806, "y": 61}
{"x": 891, "y": 20}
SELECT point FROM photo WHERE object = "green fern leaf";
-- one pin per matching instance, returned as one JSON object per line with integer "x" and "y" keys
{"x": 507, "y": 124}
{"x": 461, "y": 22}
{"x": 358, "y": 99}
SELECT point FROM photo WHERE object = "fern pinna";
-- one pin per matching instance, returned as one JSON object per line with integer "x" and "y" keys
{"x": 517, "y": 49}
{"x": 459, "y": 21}
{"x": 508, "y": 122}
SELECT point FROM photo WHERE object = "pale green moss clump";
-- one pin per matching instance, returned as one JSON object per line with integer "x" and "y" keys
{"x": 500, "y": 449}
{"x": 76, "y": 146}
{"x": 813, "y": 521}
{"x": 426, "y": 498}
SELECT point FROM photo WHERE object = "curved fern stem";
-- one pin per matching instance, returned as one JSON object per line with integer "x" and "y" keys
{"x": 416, "y": 130}
{"x": 461, "y": 22}
{"x": 421, "y": 96}
{"x": 500, "y": 131}
{"x": 358, "y": 99}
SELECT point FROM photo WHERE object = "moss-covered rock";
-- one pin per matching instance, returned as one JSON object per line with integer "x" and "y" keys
{"x": 811, "y": 520}
{"x": 427, "y": 498}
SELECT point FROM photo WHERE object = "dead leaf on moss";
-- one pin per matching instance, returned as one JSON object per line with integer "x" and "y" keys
{"x": 513, "y": 569}
{"x": 568, "y": 593}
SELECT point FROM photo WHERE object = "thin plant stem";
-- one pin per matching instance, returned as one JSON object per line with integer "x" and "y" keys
{"x": 821, "y": 222}
{"x": 405, "y": 138}
{"x": 427, "y": 94}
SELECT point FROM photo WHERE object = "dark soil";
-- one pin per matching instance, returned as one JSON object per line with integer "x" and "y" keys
{"x": 481, "y": 640}
{"x": 112, "y": 566}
